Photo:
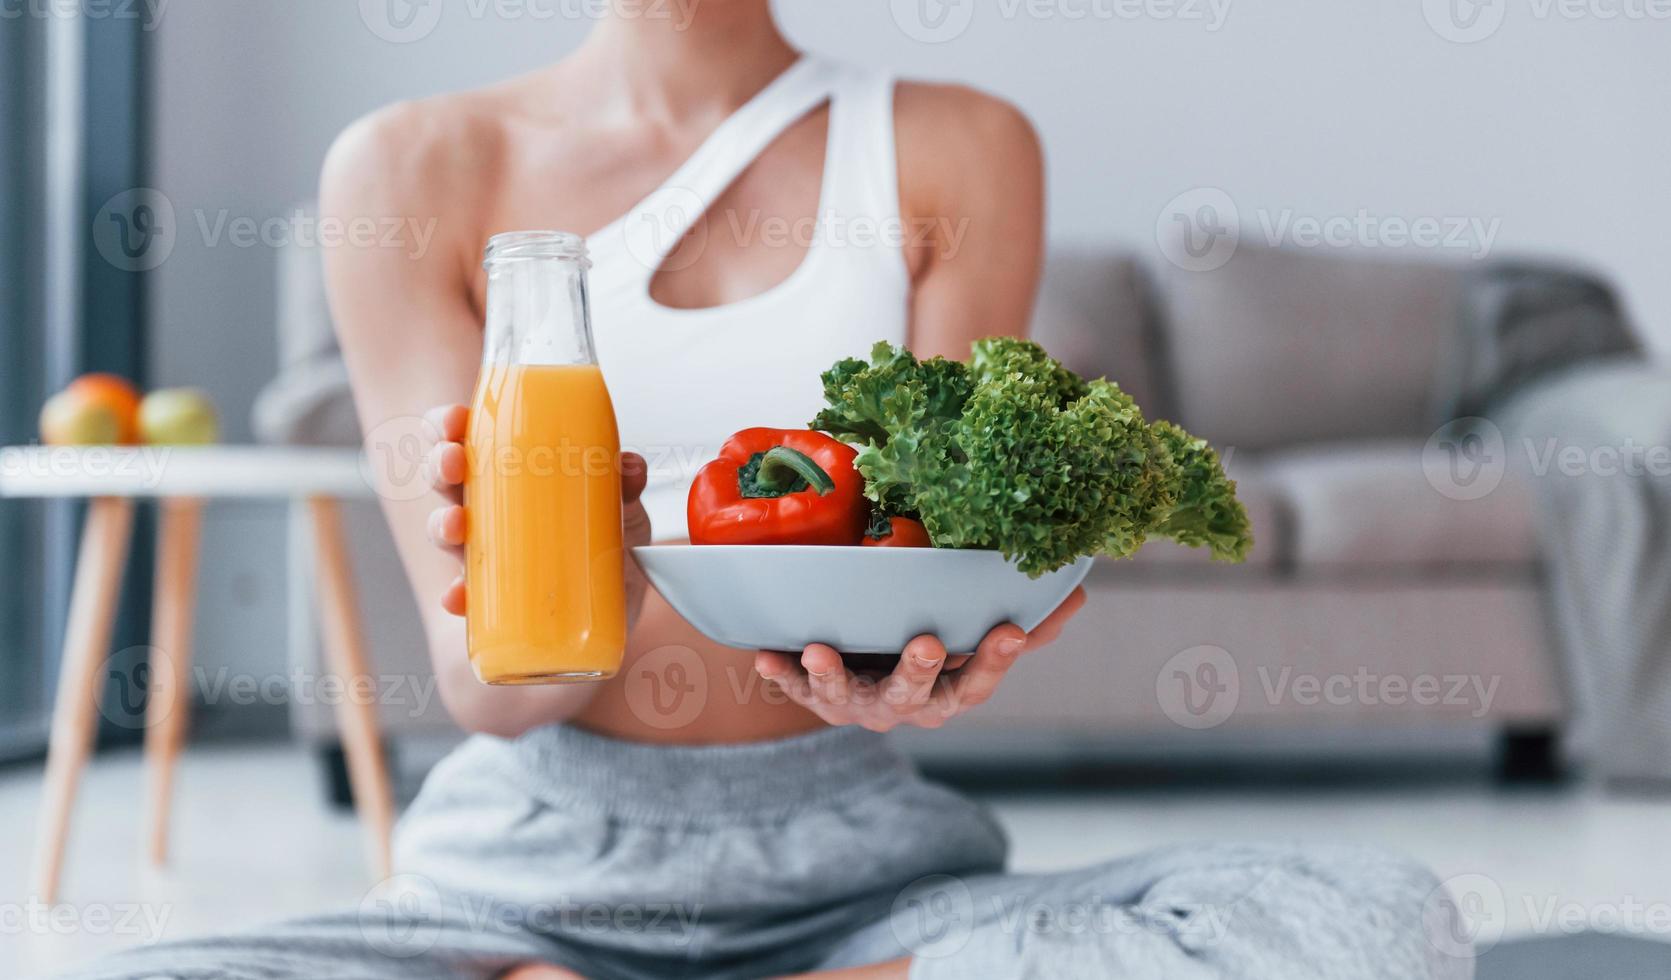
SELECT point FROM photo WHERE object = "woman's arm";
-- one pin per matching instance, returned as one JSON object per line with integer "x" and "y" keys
{"x": 972, "y": 175}
{"x": 412, "y": 341}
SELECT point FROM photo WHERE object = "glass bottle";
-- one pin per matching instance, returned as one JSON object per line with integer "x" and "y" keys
{"x": 543, "y": 548}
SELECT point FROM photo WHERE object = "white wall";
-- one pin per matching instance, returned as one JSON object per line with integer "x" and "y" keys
{"x": 1553, "y": 126}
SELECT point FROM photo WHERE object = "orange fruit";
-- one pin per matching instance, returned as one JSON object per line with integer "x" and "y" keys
{"x": 115, "y": 394}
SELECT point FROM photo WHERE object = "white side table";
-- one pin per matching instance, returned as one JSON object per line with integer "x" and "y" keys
{"x": 180, "y": 479}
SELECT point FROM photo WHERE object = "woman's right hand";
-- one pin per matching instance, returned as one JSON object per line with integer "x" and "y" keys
{"x": 445, "y": 465}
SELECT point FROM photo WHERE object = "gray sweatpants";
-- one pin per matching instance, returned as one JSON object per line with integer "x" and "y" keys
{"x": 628, "y": 861}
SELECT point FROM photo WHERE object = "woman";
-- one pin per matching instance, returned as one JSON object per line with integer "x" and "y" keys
{"x": 771, "y": 832}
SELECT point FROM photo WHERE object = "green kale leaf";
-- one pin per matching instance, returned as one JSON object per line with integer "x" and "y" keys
{"x": 1014, "y": 452}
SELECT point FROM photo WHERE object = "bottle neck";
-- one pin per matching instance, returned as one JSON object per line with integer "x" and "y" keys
{"x": 538, "y": 310}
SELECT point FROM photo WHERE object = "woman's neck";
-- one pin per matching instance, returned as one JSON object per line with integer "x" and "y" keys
{"x": 681, "y": 59}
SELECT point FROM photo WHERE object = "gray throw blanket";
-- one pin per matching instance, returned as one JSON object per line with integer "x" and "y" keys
{"x": 1594, "y": 445}
{"x": 1547, "y": 355}
{"x": 1520, "y": 321}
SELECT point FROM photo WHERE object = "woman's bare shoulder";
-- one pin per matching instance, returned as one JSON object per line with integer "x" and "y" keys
{"x": 429, "y": 152}
{"x": 940, "y": 129}
{"x": 957, "y": 112}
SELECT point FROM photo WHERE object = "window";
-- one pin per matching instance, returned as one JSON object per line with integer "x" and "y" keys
{"x": 71, "y": 136}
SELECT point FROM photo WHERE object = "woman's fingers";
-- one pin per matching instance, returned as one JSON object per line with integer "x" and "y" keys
{"x": 827, "y": 674}
{"x": 926, "y": 688}
{"x": 912, "y": 682}
{"x": 446, "y": 529}
{"x": 444, "y": 460}
{"x": 449, "y": 421}
{"x": 452, "y": 600}
{"x": 784, "y": 670}
{"x": 778, "y": 668}
{"x": 975, "y": 683}
{"x": 634, "y": 474}
{"x": 444, "y": 466}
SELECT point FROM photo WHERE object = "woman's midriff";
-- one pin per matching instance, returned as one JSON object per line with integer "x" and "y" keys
{"x": 678, "y": 687}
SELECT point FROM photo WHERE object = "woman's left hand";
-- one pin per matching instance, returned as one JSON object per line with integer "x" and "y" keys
{"x": 922, "y": 690}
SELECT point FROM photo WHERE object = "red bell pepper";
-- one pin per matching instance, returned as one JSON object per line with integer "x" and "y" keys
{"x": 779, "y": 486}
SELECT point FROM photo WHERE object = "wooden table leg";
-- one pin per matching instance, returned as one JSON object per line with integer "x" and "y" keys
{"x": 168, "y": 703}
{"x": 81, "y": 674}
{"x": 357, "y": 713}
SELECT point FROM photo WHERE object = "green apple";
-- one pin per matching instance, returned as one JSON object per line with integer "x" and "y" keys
{"x": 69, "y": 419}
{"x": 178, "y": 417}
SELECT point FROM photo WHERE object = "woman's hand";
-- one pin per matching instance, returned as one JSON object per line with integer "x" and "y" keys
{"x": 922, "y": 690}
{"x": 444, "y": 462}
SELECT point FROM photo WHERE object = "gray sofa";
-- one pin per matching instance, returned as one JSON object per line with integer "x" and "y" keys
{"x": 1387, "y": 596}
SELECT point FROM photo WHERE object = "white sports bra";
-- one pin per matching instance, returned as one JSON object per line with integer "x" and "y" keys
{"x": 683, "y": 380}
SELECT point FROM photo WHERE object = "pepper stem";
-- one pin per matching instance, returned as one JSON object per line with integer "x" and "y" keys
{"x": 783, "y": 470}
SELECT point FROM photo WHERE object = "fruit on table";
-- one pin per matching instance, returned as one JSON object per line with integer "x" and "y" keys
{"x": 178, "y": 417}
{"x": 116, "y": 395}
{"x": 69, "y": 419}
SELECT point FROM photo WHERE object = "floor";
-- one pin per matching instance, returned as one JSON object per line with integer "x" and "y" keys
{"x": 254, "y": 841}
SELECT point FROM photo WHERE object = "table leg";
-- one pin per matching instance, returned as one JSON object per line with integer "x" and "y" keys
{"x": 168, "y": 702}
{"x": 345, "y": 649}
{"x": 98, "y": 580}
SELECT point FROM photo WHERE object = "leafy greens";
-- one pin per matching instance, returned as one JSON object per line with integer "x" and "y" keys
{"x": 1014, "y": 452}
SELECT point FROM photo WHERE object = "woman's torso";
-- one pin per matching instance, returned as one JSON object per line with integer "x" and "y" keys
{"x": 704, "y": 327}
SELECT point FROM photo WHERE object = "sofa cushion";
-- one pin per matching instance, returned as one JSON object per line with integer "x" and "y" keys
{"x": 1283, "y": 347}
{"x": 1371, "y": 505}
{"x": 1096, "y": 314}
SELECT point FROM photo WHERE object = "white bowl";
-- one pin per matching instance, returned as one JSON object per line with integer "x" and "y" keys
{"x": 858, "y": 600}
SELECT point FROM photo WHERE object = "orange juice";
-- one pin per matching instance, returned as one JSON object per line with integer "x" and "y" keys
{"x": 543, "y": 553}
